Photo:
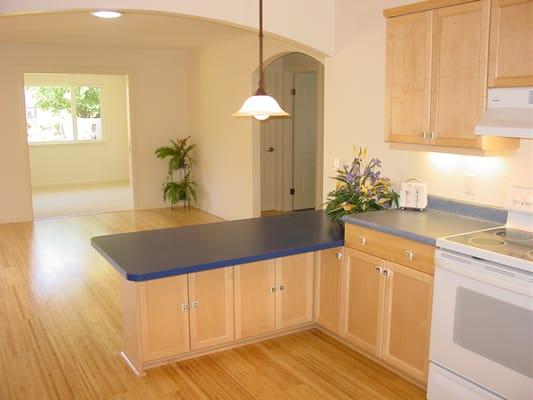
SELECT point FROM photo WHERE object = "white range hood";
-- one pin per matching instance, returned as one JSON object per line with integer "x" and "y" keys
{"x": 509, "y": 113}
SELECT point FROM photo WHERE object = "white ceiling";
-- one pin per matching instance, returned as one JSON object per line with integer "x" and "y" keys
{"x": 131, "y": 30}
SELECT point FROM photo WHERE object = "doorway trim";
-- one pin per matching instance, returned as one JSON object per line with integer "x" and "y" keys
{"x": 128, "y": 73}
{"x": 256, "y": 133}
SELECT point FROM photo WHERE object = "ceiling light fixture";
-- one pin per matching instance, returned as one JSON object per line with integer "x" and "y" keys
{"x": 261, "y": 105}
{"x": 107, "y": 14}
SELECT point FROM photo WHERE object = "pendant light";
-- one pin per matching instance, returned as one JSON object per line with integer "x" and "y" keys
{"x": 261, "y": 105}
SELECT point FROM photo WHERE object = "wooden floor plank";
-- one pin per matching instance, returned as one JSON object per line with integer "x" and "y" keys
{"x": 60, "y": 330}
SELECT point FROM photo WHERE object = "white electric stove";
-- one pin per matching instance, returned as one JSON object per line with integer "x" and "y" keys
{"x": 482, "y": 322}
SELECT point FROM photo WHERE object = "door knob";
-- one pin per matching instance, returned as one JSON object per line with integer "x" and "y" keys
{"x": 270, "y": 149}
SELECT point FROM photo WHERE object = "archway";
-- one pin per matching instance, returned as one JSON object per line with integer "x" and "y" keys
{"x": 288, "y": 152}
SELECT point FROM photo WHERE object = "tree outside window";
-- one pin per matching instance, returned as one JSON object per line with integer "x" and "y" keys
{"x": 57, "y": 114}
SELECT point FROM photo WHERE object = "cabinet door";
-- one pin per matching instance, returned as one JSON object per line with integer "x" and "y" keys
{"x": 407, "y": 315}
{"x": 294, "y": 297}
{"x": 511, "y": 43}
{"x": 211, "y": 307}
{"x": 408, "y": 73}
{"x": 460, "y": 48}
{"x": 363, "y": 301}
{"x": 255, "y": 298}
{"x": 164, "y": 317}
{"x": 328, "y": 285}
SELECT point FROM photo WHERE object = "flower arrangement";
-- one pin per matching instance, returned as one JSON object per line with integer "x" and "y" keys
{"x": 360, "y": 187}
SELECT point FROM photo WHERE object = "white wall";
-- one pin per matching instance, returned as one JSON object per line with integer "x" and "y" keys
{"x": 159, "y": 110}
{"x": 283, "y": 18}
{"x": 354, "y": 104}
{"x": 96, "y": 162}
{"x": 227, "y": 167}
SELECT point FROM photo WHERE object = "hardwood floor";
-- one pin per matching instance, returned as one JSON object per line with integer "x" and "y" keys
{"x": 60, "y": 331}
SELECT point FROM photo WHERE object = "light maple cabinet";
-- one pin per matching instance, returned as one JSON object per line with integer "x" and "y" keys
{"x": 328, "y": 286}
{"x": 211, "y": 307}
{"x": 294, "y": 294}
{"x": 386, "y": 309}
{"x": 436, "y": 77}
{"x": 511, "y": 43}
{"x": 363, "y": 301}
{"x": 255, "y": 298}
{"x": 408, "y": 74}
{"x": 406, "y": 320}
{"x": 164, "y": 315}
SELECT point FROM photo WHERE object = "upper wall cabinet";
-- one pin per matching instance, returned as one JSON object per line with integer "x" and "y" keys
{"x": 511, "y": 43}
{"x": 436, "y": 77}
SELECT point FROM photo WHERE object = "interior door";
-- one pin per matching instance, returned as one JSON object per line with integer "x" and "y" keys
{"x": 272, "y": 150}
{"x": 211, "y": 307}
{"x": 459, "y": 73}
{"x": 255, "y": 298}
{"x": 363, "y": 301}
{"x": 304, "y": 131}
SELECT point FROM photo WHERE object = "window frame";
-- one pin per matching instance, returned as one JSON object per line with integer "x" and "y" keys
{"x": 73, "y": 113}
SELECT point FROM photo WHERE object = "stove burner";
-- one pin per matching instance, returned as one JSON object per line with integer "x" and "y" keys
{"x": 514, "y": 235}
{"x": 484, "y": 241}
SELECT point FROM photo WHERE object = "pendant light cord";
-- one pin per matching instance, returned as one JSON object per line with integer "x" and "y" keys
{"x": 261, "y": 86}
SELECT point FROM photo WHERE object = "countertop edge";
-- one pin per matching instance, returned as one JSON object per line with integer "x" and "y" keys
{"x": 216, "y": 264}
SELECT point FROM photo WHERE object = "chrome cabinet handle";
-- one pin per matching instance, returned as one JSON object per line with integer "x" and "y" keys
{"x": 195, "y": 304}
{"x": 338, "y": 254}
{"x": 424, "y": 134}
{"x": 270, "y": 149}
{"x": 379, "y": 270}
{"x": 362, "y": 240}
{"x": 408, "y": 254}
{"x": 387, "y": 273}
{"x": 281, "y": 288}
{"x": 184, "y": 307}
{"x": 273, "y": 289}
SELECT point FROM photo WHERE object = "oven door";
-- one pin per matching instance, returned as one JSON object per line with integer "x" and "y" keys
{"x": 482, "y": 325}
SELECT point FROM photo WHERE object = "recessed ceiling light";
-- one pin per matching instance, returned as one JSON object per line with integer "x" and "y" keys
{"x": 107, "y": 14}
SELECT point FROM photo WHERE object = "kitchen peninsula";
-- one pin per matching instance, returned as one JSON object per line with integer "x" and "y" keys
{"x": 211, "y": 286}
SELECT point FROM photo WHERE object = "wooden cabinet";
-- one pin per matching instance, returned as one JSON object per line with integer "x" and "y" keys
{"x": 406, "y": 320}
{"x": 407, "y": 252}
{"x": 458, "y": 76}
{"x": 255, "y": 298}
{"x": 211, "y": 307}
{"x": 511, "y": 43}
{"x": 436, "y": 76}
{"x": 328, "y": 285}
{"x": 163, "y": 305}
{"x": 408, "y": 69}
{"x": 294, "y": 295}
{"x": 363, "y": 301}
{"x": 387, "y": 306}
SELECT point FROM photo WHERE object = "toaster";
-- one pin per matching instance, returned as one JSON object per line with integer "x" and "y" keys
{"x": 414, "y": 194}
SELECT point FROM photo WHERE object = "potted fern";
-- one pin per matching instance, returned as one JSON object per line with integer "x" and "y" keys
{"x": 179, "y": 186}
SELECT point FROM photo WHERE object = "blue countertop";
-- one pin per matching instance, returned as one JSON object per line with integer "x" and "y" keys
{"x": 423, "y": 226}
{"x": 141, "y": 256}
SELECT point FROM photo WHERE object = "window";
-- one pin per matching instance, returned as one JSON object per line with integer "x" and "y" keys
{"x": 58, "y": 114}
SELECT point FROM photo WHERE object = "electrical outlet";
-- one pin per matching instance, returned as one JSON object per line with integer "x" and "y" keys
{"x": 336, "y": 163}
{"x": 470, "y": 184}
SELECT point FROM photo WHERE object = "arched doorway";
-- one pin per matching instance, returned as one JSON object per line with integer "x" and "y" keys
{"x": 290, "y": 149}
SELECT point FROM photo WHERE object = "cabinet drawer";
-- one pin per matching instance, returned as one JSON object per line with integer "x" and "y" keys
{"x": 402, "y": 251}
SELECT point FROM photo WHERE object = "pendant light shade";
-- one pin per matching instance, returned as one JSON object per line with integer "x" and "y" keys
{"x": 261, "y": 105}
